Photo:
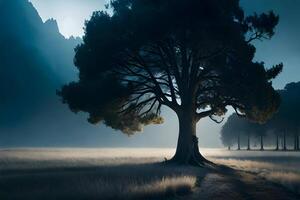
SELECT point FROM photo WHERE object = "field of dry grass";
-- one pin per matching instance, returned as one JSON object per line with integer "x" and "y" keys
{"x": 278, "y": 167}
{"x": 138, "y": 174}
{"x": 91, "y": 174}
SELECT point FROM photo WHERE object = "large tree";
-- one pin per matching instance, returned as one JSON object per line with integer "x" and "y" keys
{"x": 193, "y": 56}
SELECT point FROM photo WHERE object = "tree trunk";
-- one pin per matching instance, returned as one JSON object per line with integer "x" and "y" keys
{"x": 187, "y": 151}
{"x": 261, "y": 143}
{"x": 248, "y": 143}
{"x": 295, "y": 142}
{"x": 298, "y": 146}
{"x": 239, "y": 144}
{"x": 284, "y": 141}
{"x": 277, "y": 142}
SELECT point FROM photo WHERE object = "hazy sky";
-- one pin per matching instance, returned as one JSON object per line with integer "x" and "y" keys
{"x": 284, "y": 47}
{"x": 70, "y": 14}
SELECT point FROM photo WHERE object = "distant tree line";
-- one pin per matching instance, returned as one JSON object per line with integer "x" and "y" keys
{"x": 280, "y": 132}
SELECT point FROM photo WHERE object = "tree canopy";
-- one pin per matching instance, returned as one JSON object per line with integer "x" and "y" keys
{"x": 193, "y": 56}
{"x": 154, "y": 53}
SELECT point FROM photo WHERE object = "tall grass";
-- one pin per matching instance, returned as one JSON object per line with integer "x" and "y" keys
{"x": 84, "y": 174}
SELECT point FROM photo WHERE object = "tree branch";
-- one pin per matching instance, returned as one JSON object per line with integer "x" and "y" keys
{"x": 204, "y": 114}
{"x": 215, "y": 120}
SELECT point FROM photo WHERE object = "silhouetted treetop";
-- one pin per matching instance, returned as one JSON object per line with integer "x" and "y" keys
{"x": 287, "y": 118}
{"x": 194, "y": 56}
{"x": 164, "y": 52}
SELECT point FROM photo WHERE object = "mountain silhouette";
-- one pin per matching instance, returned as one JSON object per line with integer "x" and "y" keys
{"x": 35, "y": 60}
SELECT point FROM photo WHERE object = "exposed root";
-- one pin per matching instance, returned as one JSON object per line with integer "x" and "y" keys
{"x": 192, "y": 157}
{"x": 192, "y": 161}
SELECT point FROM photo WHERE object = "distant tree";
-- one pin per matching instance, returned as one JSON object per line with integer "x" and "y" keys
{"x": 291, "y": 104}
{"x": 285, "y": 123}
{"x": 228, "y": 133}
{"x": 249, "y": 129}
{"x": 260, "y": 131}
{"x": 287, "y": 120}
{"x": 233, "y": 130}
{"x": 236, "y": 128}
{"x": 193, "y": 56}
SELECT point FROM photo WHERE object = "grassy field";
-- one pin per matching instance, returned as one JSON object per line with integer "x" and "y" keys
{"x": 139, "y": 174}
{"x": 279, "y": 167}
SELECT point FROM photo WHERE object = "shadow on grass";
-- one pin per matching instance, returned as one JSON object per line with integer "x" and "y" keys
{"x": 136, "y": 181}
{"x": 237, "y": 184}
{"x": 126, "y": 181}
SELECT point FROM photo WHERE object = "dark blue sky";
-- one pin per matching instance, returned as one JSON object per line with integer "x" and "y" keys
{"x": 285, "y": 45}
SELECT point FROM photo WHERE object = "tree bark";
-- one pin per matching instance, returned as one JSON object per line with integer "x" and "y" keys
{"x": 239, "y": 144}
{"x": 277, "y": 142}
{"x": 187, "y": 151}
{"x": 295, "y": 141}
{"x": 298, "y": 142}
{"x": 261, "y": 143}
{"x": 284, "y": 141}
{"x": 248, "y": 143}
